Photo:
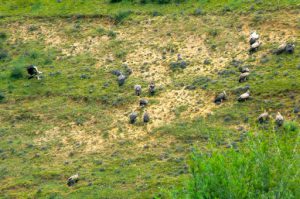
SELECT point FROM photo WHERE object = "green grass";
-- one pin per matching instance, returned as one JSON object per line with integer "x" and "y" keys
{"x": 101, "y": 7}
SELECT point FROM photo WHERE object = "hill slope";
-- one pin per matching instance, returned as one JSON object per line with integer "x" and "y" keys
{"x": 75, "y": 120}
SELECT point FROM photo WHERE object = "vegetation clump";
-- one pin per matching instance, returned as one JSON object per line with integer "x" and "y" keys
{"x": 257, "y": 169}
{"x": 17, "y": 72}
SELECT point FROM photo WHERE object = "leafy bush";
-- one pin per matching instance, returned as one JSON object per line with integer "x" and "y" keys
{"x": 17, "y": 73}
{"x": 265, "y": 168}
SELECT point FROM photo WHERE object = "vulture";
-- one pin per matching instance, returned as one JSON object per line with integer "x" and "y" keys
{"x": 151, "y": 88}
{"x": 279, "y": 119}
{"x": 280, "y": 49}
{"x": 179, "y": 58}
{"x": 244, "y": 96}
{"x": 254, "y": 47}
{"x": 253, "y": 38}
{"x": 146, "y": 117}
{"x": 263, "y": 117}
{"x": 244, "y": 77}
{"x": 132, "y": 117}
{"x": 244, "y": 70}
{"x": 290, "y": 48}
{"x": 220, "y": 98}
{"x": 143, "y": 102}
{"x": 73, "y": 180}
{"x": 33, "y": 72}
{"x": 138, "y": 90}
{"x": 121, "y": 79}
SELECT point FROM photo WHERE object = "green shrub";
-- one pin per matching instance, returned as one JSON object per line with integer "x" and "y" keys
{"x": 120, "y": 54}
{"x": 163, "y": 1}
{"x": 3, "y": 35}
{"x": 112, "y": 34}
{"x": 3, "y": 55}
{"x": 143, "y": 1}
{"x": 17, "y": 73}
{"x": 291, "y": 126}
{"x": 265, "y": 168}
{"x": 121, "y": 16}
{"x": 101, "y": 31}
{"x": 115, "y": 1}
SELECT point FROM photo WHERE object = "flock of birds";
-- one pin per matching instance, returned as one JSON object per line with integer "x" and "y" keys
{"x": 143, "y": 102}
{"x": 245, "y": 72}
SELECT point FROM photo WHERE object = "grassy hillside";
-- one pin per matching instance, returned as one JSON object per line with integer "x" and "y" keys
{"x": 109, "y": 8}
{"x": 75, "y": 119}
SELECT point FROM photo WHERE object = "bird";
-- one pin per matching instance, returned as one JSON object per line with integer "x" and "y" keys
{"x": 220, "y": 98}
{"x": 146, "y": 117}
{"x": 138, "y": 90}
{"x": 33, "y": 72}
{"x": 143, "y": 102}
{"x": 290, "y": 48}
{"x": 179, "y": 58}
{"x": 244, "y": 70}
{"x": 121, "y": 79}
{"x": 279, "y": 119}
{"x": 280, "y": 49}
{"x": 254, "y": 46}
{"x": 152, "y": 88}
{"x": 263, "y": 117}
{"x": 253, "y": 37}
{"x": 73, "y": 180}
{"x": 244, "y": 96}
{"x": 132, "y": 117}
{"x": 244, "y": 76}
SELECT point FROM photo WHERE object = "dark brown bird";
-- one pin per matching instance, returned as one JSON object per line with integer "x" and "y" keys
{"x": 146, "y": 117}
{"x": 73, "y": 180}
{"x": 132, "y": 117}
{"x": 152, "y": 88}
{"x": 220, "y": 98}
